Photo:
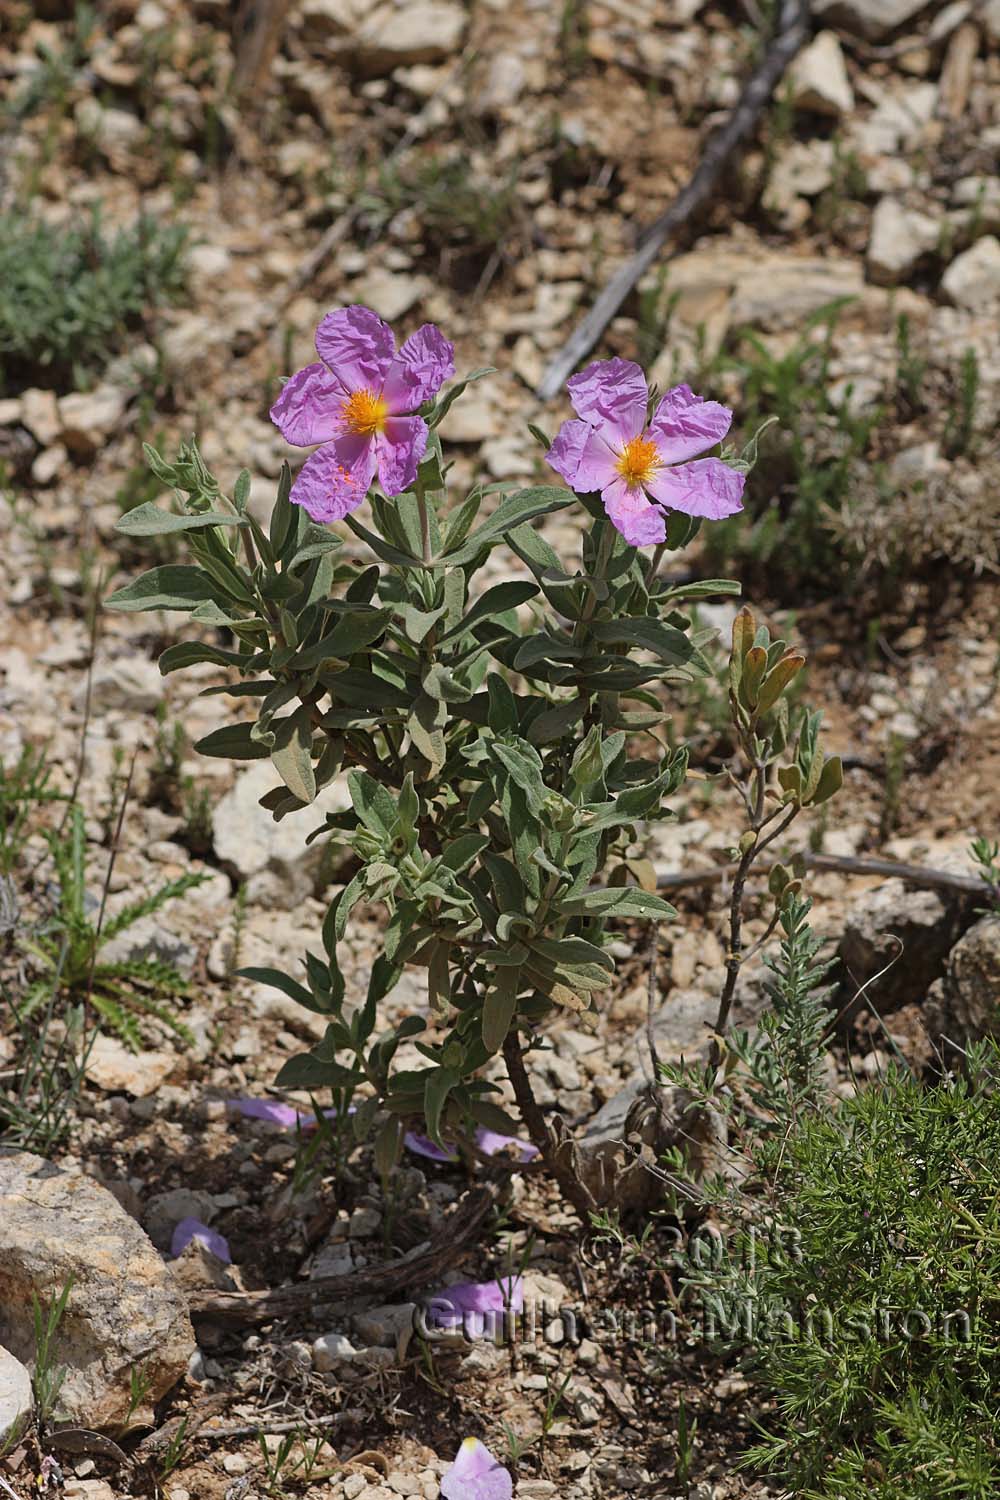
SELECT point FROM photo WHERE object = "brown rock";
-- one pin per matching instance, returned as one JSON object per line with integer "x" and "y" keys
{"x": 124, "y": 1311}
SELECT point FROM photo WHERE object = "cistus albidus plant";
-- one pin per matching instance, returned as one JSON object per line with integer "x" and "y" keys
{"x": 502, "y": 742}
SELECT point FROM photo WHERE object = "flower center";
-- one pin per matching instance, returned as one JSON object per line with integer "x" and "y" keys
{"x": 638, "y": 461}
{"x": 365, "y": 413}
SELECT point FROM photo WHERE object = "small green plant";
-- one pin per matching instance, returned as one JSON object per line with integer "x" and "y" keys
{"x": 175, "y": 1449}
{"x": 959, "y": 432}
{"x": 38, "y": 1098}
{"x": 811, "y": 456}
{"x": 986, "y": 855}
{"x": 71, "y": 296}
{"x": 24, "y": 787}
{"x": 784, "y": 1061}
{"x": 911, "y": 370}
{"x": 686, "y": 1432}
{"x": 878, "y": 1336}
{"x": 67, "y": 948}
{"x": 49, "y": 85}
{"x": 48, "y": 1377}
{"x": 892, "y": 786}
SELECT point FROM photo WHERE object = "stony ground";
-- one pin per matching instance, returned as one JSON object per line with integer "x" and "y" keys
{"x": 486, "y": 168}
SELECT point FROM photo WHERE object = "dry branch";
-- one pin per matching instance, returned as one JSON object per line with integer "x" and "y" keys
{"x": 792, "y": 33}
{"x": 460, "y": 1230}
{"x": 944, "y": 880}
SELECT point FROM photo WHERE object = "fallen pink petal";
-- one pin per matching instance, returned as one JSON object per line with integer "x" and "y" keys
{"x": 424, "y": 1146}
{"x": 193, "y": 1229}
{"x": 454, "y": 1303}
{"x": 476, "y": 1475}
{"x": 284, "y": 1115}
{"x": 643, "y": 471}
{"x": 360, "y": 402}
{"x": 491, "y": 1143}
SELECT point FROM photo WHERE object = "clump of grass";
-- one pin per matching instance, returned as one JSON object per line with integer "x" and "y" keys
{"x": 457, "y": 211}
{"x": 71, "y": 296}
{"x": 67, "y": 949}
{"x": 887, "y": 1389}
{"x": 811, "y": 459}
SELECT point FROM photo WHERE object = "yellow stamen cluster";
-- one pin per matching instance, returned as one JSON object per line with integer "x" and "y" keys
{"x": 365, "y": 413}
{"x": 638, "y": 461}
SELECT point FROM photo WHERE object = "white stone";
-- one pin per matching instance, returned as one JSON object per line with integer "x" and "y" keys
{"x": 389, "y": 293}
{"x": 388, "y": 1327}
{"x": 127, "y": 682}
{"x": 819, "y": 78}
{"x": 115, "y": 1069}
{"x": 329, "y": 1349}
{"x": 425, "y": 31}
{"x": 245, "y": 835}
{"x": 900, "y": 237}
{"x": 869, "y": 18}
{"x": 973, "y": 278}
{"x": 88, "y": 417}
{"x": 40, "y": 414}
{"x": 354, "y": 1484}
{"x": 326, "y": 18}
{"x": 15, "y": 1397}
{"x": 49, "y": 463}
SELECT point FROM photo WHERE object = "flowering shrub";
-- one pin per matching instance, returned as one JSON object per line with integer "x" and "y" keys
{"x": 502, "y": 744}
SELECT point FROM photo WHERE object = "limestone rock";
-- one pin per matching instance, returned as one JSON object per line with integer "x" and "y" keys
{"x": 973, "y": 278}
{"x": 16, "y": 1399}
{"x": 425, "y": 31}
{"x": 115, "y": 1069}
{"x": 40, "y": 414}
{"x": 819, "y": 78}
{"x": 329, "y": 1349}
{"x": 124, "y": 1311}
{"x": 127, "y": 682}
{"x": 913, "y": 927}
{"x": 390, "y": 293}
{"x": 900, "y": 237}
{"x": 630, "y": 1134}
{"x": 246, "y": 837}
{"x": 868, "y": 18}
{"x": 88, "y": 417}
{"x": 965, "y": 1005}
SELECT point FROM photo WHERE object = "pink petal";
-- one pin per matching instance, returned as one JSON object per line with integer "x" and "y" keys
{"x": 424, "y": 1146}
{"x": 308, "y": 409}
{"x": 483, "y": 1296}
{"x": 271, "y": 1110}
{"x": 611, "y": 394}
{"x": 490, "y": 1142}
{"x": 684, "y": 425}
{"x": 582, "y": 457}
{"x": 358, "y": 347}
{"x": 399, "y": 450}
{"x": 706, "y": 487}
{"x": 476, "y": 1475}
{"x": 193, "y": 1229}
{"x": 628, "y": 509}
{"x": 419, "y": 370}
{"x": 335, "y": 479}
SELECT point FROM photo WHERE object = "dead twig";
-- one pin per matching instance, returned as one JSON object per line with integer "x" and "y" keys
{"x": 460, "y": 1230}
{"x": 843, "y": 864}
{"x": 791, "y": 34}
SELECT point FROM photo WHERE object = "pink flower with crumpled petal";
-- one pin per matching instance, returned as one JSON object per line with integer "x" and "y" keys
{"x": 476, "y": 1475}
{"x": 359, "y": 401}
{"x": 642, "y": 471}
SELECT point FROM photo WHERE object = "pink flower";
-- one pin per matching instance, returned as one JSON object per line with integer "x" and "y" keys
{"x": 490, "y": 1142}
{"x": 476, "y": 1475}
{"x": 642, "y": 471}
{"x": 477, "y": 1307}
{"x": 358, "y": 402}
{"x": 424, "y": 1146}
{"x": 283, "y": 1115}
{"x": 193, "y": 1229}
